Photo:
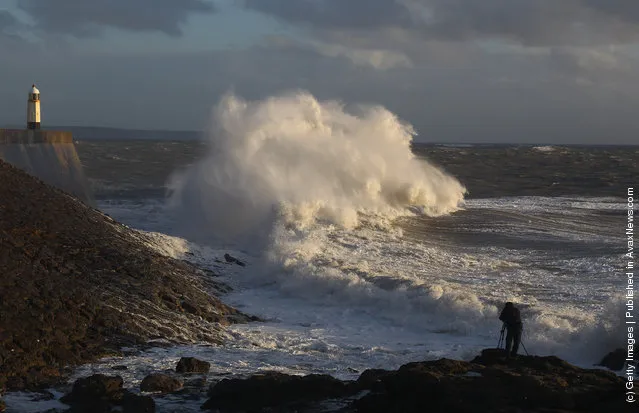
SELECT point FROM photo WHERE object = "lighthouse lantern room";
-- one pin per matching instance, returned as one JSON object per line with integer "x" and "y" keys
{"x": 33, "y": 109}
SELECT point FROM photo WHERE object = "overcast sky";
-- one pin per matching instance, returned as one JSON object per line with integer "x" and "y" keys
{"x": 564, "y": 71}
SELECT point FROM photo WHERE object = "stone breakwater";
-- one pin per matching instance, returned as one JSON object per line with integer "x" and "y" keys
{"x": 76, "y": 285}
{"x": 49, "y": 155}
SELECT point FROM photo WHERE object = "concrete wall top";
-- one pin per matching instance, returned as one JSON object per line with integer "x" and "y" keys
{"x": 27, "y": 136}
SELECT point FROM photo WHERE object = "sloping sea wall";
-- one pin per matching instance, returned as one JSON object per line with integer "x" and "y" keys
{"x": 48, "y": 155}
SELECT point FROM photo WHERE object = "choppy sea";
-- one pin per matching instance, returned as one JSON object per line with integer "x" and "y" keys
{"x": 367, "y": 250}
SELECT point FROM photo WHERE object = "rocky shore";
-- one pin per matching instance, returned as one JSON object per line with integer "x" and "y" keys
{"x": 76, "y": 285}
{"x": 489, "y": 383}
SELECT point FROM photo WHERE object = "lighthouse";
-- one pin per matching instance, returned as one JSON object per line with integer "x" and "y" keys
{"x": 47, "y": 154}
{"x": 33, "y": 109}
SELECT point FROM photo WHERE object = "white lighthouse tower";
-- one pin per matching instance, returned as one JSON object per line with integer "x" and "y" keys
{"x": 33, "y": 109}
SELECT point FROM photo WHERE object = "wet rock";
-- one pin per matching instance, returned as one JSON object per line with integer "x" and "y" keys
{"x": 96, "y": 387}
{"x": 119, "y": 368}
{"x": 190, "y": 308}
{"x": 272, "y": 390}
{"x": 196, "y": 383}
{"x": 488, "y": 384}
{"x": 192, "y": 365}
{"x": 133, "y": 403}
{"x": 158, "y": 382}
{"x": 371, "y": 379}
{"x": 491, "y": 356}
{"x": 43, "y": 396}
{"x": 615, "y": 360}
{"x": 100, "y": 393}
{"x": 232, "y": 260}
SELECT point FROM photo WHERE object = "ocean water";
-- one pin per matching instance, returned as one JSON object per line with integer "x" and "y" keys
{"x": 366, "y": 250}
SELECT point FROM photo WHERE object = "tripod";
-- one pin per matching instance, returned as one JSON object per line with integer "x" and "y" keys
{"x": 522, "y": 342}
{"x": 501, "y": 343}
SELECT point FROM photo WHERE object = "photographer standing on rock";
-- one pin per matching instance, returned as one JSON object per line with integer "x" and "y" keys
{"x": 512, "y": 321}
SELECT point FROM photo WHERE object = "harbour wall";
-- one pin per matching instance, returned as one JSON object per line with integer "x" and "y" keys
{"x": 49, "y": 155}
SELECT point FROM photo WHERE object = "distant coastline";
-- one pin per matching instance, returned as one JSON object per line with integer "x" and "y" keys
{"x": 106, "y": 133}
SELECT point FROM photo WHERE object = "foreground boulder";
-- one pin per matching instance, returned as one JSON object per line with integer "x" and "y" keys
{"x": 77, "y": 285}
{"x": 94, "y": 387}
{"x": 615, "y": 360}
{"x": 158, "y": 382}
{"x": 100, "y": 393}
{"x": 488, "y": 384}
{"x": 232, "y": 260}
{"x": 192, "y": 365}
{"x": 272, "y": 389}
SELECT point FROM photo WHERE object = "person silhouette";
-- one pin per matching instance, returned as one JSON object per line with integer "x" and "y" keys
{"x": 511, "y": 318}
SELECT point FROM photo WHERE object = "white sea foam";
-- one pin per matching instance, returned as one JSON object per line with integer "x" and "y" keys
{"x": 297, "y": 161}
{"x": 546, "y": 148}
{"x": 555, "y": 205}
{"x": 320, "y": 180}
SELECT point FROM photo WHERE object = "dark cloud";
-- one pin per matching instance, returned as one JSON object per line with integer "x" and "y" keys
{"x": 10, "y": 39}
{"x": 87, "y": 17}
{"x": 503, "y": 97}
{"x": 525, "y": 21}
{"x": 622, "y": 9}
{"x": 529, "y": 22}
{"x": 335, "y": 13}
{"x": 7, "y": 21}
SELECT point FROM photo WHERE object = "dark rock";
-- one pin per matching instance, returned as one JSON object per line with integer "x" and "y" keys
{"x": 192, "y": 365}
{"x": 158, "y": 382}
{"x": 488, "y": 384}
{"x": 492, "y": 384}
{"x": 119, "y": 368}
{"x": 43, "y": 396}
{"x": 370, "y": 379}
{"x": 190, "y": 308}
{"x": 232, "y": 260}
{"x": 198, "y": 382}
{"x": 615, "y": 360}
{"x": 272, "y": 390}
{"x": 3, "y": 406}
{"x": 133, "y": 403}
{"x": 490, "y": 356}
{"x": 94, "y": 387}
{"x": 100, "y": 393}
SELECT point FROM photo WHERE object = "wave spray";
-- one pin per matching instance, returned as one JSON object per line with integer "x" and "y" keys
{"x": 298, "y": 161}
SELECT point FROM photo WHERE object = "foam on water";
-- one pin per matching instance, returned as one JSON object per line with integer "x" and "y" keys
{"x": 546, "y": 148}
{"x": 556, "y": 205}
